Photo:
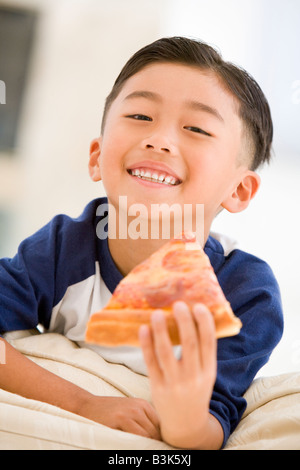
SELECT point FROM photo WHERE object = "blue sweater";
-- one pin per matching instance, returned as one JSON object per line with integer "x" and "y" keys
{"x": 64, "y": 273}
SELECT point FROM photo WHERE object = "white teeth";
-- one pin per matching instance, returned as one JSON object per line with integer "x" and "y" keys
{"x": 155, "y": 177}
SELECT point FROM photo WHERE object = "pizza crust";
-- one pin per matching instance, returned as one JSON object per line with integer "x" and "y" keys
{"x": 120, "y": 327}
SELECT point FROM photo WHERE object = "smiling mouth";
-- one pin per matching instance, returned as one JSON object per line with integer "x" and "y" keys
{"x": 159, "y": 177}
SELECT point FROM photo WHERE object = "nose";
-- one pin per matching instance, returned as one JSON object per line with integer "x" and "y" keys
{"x": 158, "y": 148}
{"x": 160, "y": 142}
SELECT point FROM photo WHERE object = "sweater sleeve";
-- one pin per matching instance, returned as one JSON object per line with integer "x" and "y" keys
{"x": 36, "y": 278}
{"x": 27, "y": 282}
{"x": 252, "y": 290}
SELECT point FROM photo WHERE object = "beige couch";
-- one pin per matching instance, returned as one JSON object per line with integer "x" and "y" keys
{"x": 271, "y": 420}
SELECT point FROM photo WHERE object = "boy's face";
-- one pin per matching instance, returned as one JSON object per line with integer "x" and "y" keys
{"x": 180, "y": 125}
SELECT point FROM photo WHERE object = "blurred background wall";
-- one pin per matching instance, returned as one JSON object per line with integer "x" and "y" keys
{"x": 79, "y": 46}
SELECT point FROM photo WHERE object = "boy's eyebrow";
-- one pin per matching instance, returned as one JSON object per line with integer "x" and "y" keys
{"x": 144, "y": 94}
{"x": 195, "y": 105}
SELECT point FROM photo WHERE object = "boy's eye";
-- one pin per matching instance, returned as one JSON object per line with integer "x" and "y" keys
{"x": 139, "y": 117}
{"x": 197, "y": 130}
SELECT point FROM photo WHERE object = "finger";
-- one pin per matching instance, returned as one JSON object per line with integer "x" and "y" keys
{"x": 162, "y": 344}
{"x": 153, "y": 419}
{"x": 145, "y": 421}
{"x": 207, "y": 339}
{"x": 188, "y": 336}
{"x": 142, "y": 429}
{"x": 147, "y": 345}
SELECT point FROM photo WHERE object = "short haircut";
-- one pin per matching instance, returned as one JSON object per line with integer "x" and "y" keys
{"x": 254, "y": 109}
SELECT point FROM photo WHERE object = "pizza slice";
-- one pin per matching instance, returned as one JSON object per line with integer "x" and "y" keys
{"x": 179, "y": 270}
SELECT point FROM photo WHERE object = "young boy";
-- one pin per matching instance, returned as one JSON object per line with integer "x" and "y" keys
{"x": 180, "y": 126}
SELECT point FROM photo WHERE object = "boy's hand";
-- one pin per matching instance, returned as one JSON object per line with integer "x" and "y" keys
{"x": 182, "y": 389}
{"x": 133, "y": 415}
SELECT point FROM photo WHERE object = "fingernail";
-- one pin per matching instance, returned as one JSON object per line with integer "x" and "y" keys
{"x": 200, "y": 309}
{"x": 180, "y": 308}
{"x": 180, "y": 304}
{"x": 158, "y": 316}
{"x": 143, "y": 331}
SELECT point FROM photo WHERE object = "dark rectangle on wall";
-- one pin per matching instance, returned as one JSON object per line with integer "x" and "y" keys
{"x": 17, "y": 27}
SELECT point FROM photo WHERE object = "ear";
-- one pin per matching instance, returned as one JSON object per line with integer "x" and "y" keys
{"x": 243, "y": 193}
{"x": 94, "y": 161}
